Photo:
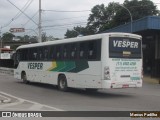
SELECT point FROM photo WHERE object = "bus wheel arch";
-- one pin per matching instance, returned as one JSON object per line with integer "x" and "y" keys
{"x": 24, "y": 77}
{"x": 62, "y": 82}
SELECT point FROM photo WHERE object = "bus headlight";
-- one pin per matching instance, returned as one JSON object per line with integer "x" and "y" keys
{"x": 106, "y": 73}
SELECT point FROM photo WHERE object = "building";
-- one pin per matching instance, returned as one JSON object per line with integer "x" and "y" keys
{"x": 149, "y": 28}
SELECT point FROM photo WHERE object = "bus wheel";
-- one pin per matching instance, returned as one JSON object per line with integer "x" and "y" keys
{"x": 62, "y": 83}
{"x": 91, "y": 89}
{"x": 24, "y": 78}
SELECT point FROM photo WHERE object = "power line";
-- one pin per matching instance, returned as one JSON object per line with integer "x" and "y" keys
{"x": 22, "y": 12}
{"x": 59, "y": 28}
{"x": 66, "y": 11}
{"x": 19, "y": 13}
{"x": 30, "y": 30}
{"x": 64, "y": 18}
{"x": 29, "y": 19}
{"x": 25, "y": 8}
{"x": 64, "y": 24}
{"x": 87, "y": 10}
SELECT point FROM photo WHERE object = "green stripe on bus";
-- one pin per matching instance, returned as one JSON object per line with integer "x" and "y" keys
{"x": 71, "y": 66}
{"x": 80, "y": 66}
{"x": 60, "y": 65}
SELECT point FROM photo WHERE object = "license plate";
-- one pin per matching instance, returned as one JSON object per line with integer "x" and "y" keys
{"x": 125, "y": 86}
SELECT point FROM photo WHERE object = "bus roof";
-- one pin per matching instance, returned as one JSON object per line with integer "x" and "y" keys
{"x": 83, "y": 38}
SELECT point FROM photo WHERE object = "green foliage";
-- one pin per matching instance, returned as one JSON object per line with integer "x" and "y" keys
{"x": 26, "y": 38}
{"x": 101, "y": 17}
{"x": 78, "y": 31}
{"x": 138, "y": 9}
{"x": 71, "y": 33}
{"x": 44, "y": 37}
{"x": 7, "y": 36}
{"x": 98, "y": 17}
{"x": 106, "y": 17}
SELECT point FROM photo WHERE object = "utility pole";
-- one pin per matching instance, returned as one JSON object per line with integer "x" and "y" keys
{"x": 1, "y": 37}
{"x": 39, "y": 25}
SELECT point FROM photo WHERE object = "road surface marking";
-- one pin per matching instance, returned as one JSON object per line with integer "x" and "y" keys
{"x": 36, "y": 105}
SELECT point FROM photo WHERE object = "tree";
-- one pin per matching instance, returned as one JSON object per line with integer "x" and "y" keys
{"x": 44, "y": 37}
{"x": 106, "y": 17}
{"x": 33, "y": 39}
{"x": 51, "y": 38}
{"x": 70, "y": 34}
{"x": 76, "y": 31}
{"x": 114, "y": 14}
{"x": 26, "y": 38}
{"x": 7, "y": 36}
{"x": 98, "y": 17}
{"x": 99, "y": 20}
{"x": 138, "y": 9}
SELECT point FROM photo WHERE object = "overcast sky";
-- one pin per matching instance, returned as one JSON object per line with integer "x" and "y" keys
{"x": 56, "y": 18}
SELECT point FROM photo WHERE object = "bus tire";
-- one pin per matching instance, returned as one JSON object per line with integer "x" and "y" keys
{"x": 24, "y": 77}
{"x": 62, "y": 83}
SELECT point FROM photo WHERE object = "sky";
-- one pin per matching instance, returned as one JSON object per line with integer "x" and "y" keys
{"x": 57, "y": 15}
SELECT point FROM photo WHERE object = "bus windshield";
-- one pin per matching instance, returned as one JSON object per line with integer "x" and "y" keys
{"x": 124, "y": 47}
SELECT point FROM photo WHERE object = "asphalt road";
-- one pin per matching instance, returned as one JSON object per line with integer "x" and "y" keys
{"x": 146, "y": 98}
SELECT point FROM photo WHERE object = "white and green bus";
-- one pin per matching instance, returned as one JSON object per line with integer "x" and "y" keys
{"x": 101, "y": 61}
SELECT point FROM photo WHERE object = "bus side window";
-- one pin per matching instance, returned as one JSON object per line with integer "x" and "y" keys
{"x": 73, "y": 51}
{"x": 24, "y": 55}
{"x": 45, "y": 52}
{"x": 52, "y": 52}
{"x": 29, "y": 54}
{"x": 40, "y": 53}
{"x": 83, "y": 50}
{"x": 58, "y": 52}
{"x": 35, "y": 54}
{"x": 92, "y": 49}
{"x": 66, "y": 51}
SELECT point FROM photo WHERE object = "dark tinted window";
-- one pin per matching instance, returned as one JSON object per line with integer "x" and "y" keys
{"x": 89, "y": 50}
{"x": 40, "y": 55}
{"x": 52, "y": 54}
{"x": 73, "y": 51}
{"x": 59, "y": 52}
{"x": 45, "y": 53}
{"x": 24, "y": 54}
{"x": 83, "y": 47}
{"x": 122, "y": 47}
{"x": 92, "y": 49}
{"x": 66, "y": 51}
{"x": 32, "y": 53}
